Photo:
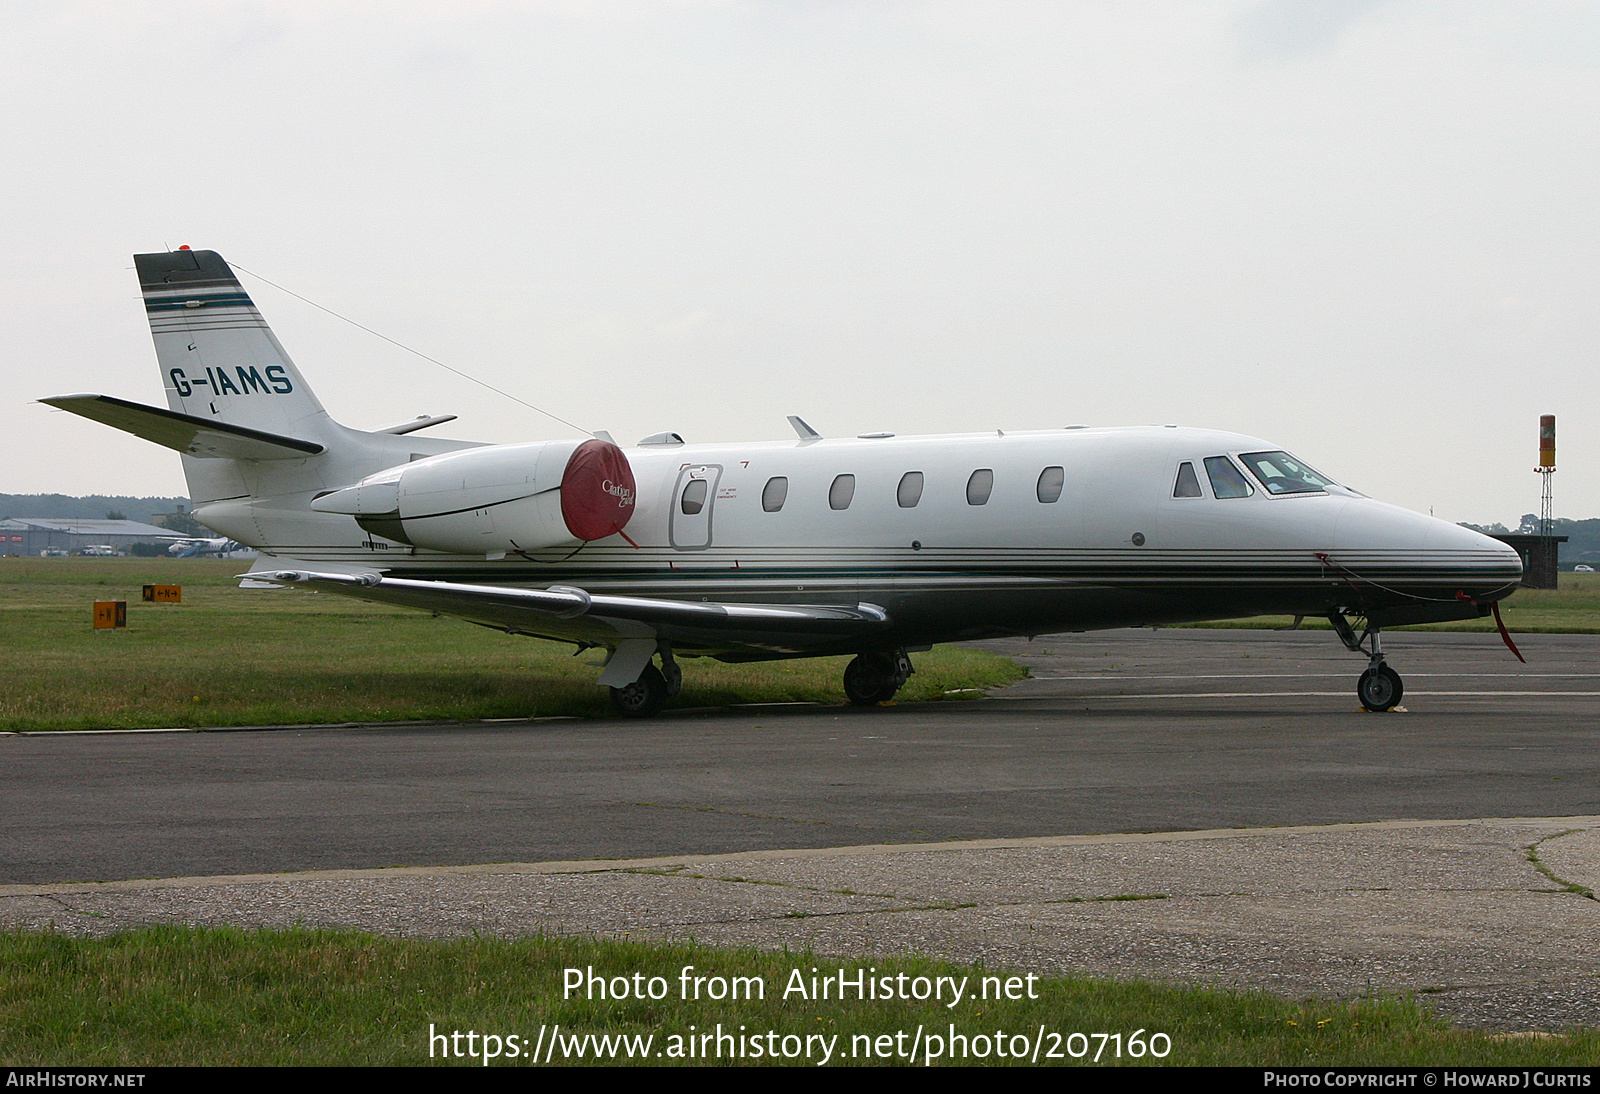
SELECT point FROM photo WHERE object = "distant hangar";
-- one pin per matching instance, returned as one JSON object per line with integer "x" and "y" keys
{"x": 31, "y": 535}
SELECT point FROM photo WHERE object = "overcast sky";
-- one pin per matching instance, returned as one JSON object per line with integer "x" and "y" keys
{"x": 1363, "y": 229}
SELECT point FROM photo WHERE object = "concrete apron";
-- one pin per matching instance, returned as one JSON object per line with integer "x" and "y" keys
{"x": 1492, "y": 921}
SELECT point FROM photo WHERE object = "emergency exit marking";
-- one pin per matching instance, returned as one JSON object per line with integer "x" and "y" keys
{"x": 109, "y": 614}
{"x": 163, "y": 594}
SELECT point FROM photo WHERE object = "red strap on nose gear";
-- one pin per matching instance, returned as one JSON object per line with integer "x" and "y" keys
{"x": 1505, "y": 635}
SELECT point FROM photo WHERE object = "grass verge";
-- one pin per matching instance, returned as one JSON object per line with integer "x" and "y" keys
{"x": 231, "y": 656}
{"x": 185, "y": 996}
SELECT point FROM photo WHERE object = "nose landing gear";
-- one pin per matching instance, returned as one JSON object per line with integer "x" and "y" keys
{"x": 1380, "y": 687}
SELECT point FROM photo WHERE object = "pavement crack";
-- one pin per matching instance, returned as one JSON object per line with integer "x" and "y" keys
{"x": 1532, "y": 851}
{"x": 932, "y": 906}
{"x": 961, "y": 906}
{"x": 799, "y": 913}
{"x": 734, "y": 879}
{"x": 52, "y": 898}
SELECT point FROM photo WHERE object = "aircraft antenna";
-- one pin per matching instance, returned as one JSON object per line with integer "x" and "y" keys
{"x": 417, "y": 352}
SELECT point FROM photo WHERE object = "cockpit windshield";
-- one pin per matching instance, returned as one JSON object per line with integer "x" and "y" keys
{"x": 1281, "y": 473}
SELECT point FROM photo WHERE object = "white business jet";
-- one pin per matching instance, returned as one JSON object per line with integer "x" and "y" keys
{"x": 876, "y": 546}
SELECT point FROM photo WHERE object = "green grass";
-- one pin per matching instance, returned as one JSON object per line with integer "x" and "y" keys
{"x": 1574, "y": 608}
{"x": 231, "y": 656}
{"x": 184, "y": 996}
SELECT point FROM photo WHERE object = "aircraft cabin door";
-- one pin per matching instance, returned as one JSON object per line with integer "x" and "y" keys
{"x": 689, "y": 527}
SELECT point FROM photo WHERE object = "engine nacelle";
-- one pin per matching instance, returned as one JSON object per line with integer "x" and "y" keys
{"x": 498, "y": 498}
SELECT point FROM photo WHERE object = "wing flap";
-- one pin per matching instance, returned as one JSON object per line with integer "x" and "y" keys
{"x": 184, "y": 432}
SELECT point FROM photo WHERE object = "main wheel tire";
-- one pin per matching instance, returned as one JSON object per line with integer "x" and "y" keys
{"x": 871, "y": 679}
{"x": 1380, "y": 688}
{"x": 643, "y": 698}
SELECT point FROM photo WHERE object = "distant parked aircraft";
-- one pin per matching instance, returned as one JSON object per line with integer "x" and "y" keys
{"x": 197, "y": 547}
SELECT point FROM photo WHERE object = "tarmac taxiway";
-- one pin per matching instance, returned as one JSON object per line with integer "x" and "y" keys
{"x": 1284, "y": 839}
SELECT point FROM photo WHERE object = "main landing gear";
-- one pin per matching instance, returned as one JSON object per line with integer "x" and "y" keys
{"x": 870, "y": 679}
{"x": 645, "y": 697}
{"x": 874, "y": 677}
{"x": 1380, "y": 687}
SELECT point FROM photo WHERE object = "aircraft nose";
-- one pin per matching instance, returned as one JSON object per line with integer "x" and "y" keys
{"x": 1421, "y": 544}
{"x": 1458, "y": 538}
{"x": 1505, "y": 555}
{"x": 1365, "y": 524}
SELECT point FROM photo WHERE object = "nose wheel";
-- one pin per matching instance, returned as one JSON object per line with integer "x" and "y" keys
{"x": 1380, "y": 687}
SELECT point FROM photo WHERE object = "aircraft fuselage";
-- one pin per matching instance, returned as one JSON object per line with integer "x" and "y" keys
{"x": 956, "y": 537}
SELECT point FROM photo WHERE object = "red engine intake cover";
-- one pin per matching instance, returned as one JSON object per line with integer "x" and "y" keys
{"x": 597, "y": 491}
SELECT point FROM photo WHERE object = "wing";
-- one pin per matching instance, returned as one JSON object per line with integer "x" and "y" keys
{"x": 184, "y": 432}
{"x": 745, "y": 631}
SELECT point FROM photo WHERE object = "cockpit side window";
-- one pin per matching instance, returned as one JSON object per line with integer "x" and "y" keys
{"x": 1188, "y": 484}
{"x": 1227, "y": 481}
{"x": 1281, "y": 473}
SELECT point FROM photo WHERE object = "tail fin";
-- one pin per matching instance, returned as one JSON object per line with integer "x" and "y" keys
{"x": 219, "y": 360}
{"x": 257, "y": 445}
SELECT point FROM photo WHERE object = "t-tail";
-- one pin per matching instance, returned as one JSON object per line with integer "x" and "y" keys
{"x": 257, "y": 444}
{"x": 219, "y": 360}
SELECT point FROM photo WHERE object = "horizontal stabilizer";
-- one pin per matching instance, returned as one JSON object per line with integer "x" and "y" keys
{"x": 421, "y": 421}
{"x": 565, "y": 602}
{"x": 184, "y": 432}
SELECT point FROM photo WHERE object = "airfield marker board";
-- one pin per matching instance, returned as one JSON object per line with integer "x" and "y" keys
{"x": 109, "y": 614}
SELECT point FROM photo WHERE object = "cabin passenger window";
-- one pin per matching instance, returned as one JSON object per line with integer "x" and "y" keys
{"x": 910, "y": 490}
{"x": 775, "y": 493}
{"x": 694, "y": 497}
{"x": 1227, "y": 481}
{"x": 1188, "y": 484}
{"x": 979, "y": 486}
{"x": 1051, "y": 479}
{"x": 842, "y": 490}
